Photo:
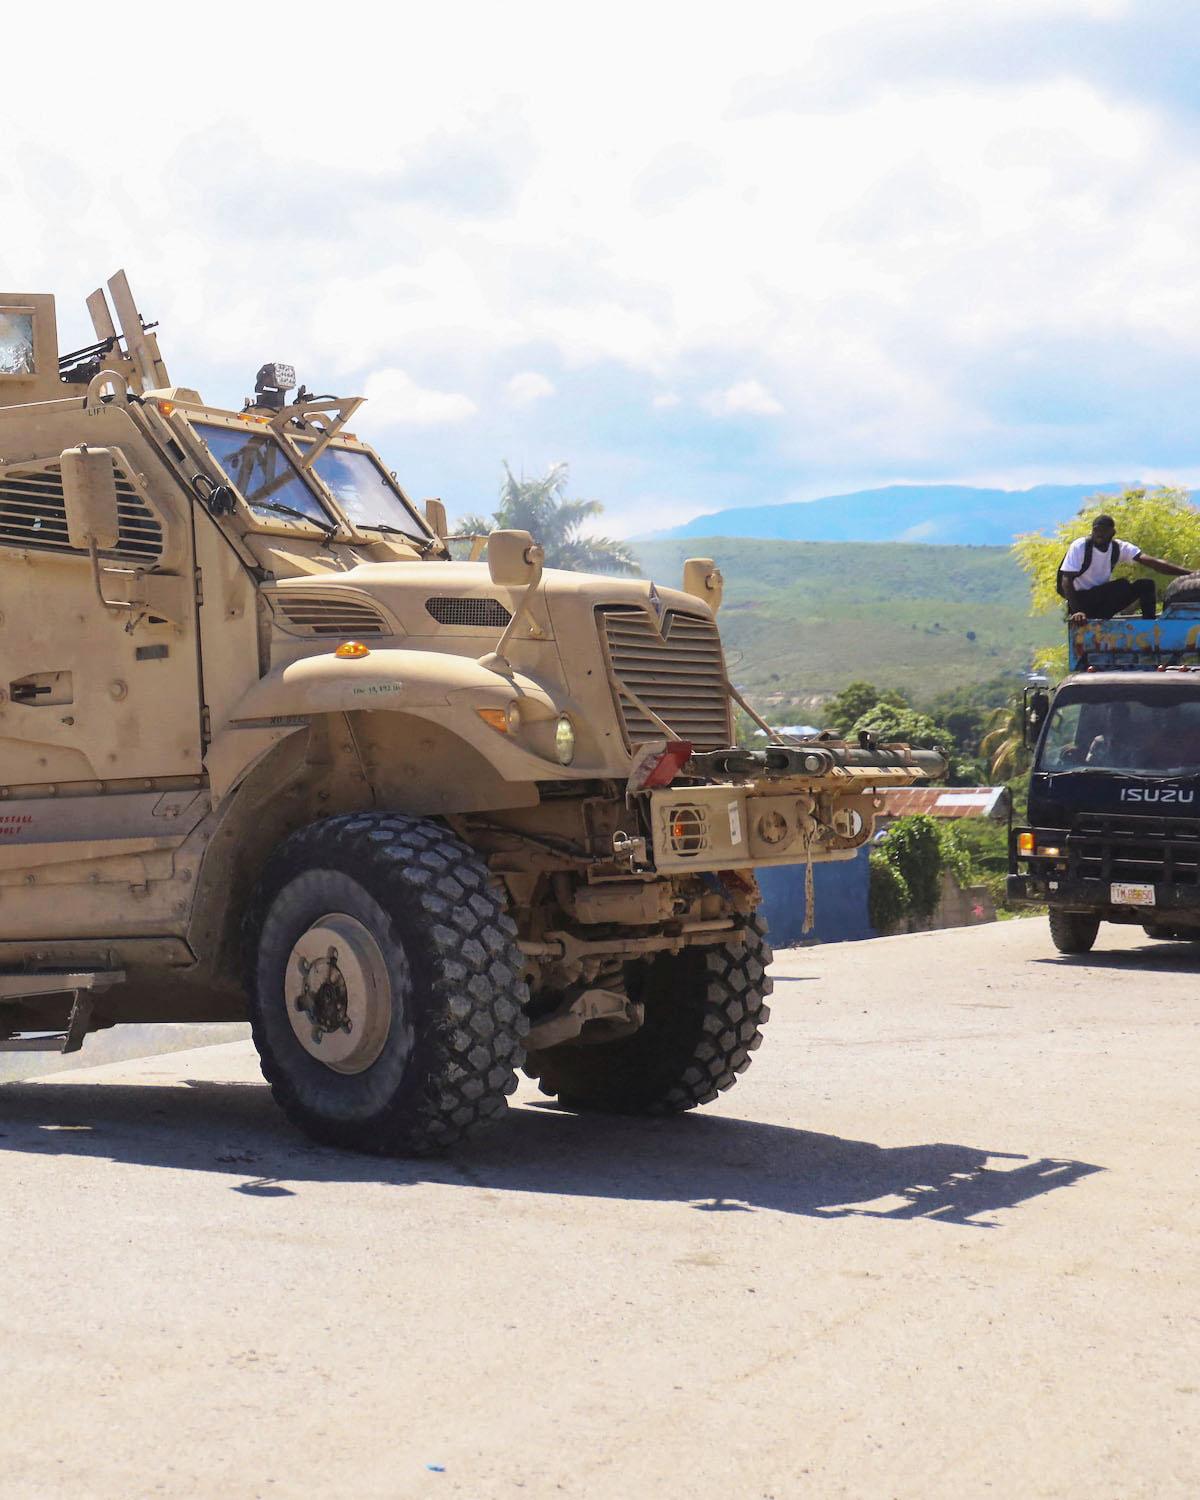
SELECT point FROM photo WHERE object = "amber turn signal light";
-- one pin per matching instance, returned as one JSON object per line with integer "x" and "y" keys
{"x": 1025, "y": 843}
{"x": 495, "y": 718}
{"x": 352, "y": 650}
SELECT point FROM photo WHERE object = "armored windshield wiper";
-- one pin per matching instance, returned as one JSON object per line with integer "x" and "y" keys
{"x": 1124, "y": 772}
{"x": 421, "y": 541}
{"x": 330, "y": 528}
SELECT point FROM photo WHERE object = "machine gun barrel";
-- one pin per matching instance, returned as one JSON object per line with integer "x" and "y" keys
{"x": 815, "y": 758}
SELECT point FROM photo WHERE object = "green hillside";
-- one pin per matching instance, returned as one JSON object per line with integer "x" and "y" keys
{"x": 802, "y": 619}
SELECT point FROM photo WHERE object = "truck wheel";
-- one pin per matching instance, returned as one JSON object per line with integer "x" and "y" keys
{"x": 384, "y": 980}
{"x": 704, "y": 1012}
{"x": 1073, "y": 931}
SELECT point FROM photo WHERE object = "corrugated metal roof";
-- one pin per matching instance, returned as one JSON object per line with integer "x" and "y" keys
{"x": 946, "y": 802}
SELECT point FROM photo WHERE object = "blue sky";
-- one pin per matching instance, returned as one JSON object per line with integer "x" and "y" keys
{"x": 710, "y": 256}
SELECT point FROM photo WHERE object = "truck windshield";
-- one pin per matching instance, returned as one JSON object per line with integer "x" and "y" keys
{"x": 1149, "y": 728}
{"x": 365, "y": 492}
{"x": 262, "y": 473}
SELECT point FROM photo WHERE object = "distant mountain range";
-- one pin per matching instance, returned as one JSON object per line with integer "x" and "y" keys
{"x": 945, "y": 513}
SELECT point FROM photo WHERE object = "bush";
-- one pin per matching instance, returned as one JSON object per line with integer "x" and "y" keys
{"x": 887, "y": 894}
{"x": 956, "y": 854}
{"x": 913, "y": 847}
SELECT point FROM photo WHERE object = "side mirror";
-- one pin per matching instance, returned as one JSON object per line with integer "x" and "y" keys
{"x": 90, "y": 498}
{"x": 435, "y": 514}
{"x": 514, "y": 558}
{"x": 1037, "y": 706}
{"x": 704, "y": 580}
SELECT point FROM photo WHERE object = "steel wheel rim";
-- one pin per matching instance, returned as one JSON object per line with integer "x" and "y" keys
{"x": 338, "y": 994}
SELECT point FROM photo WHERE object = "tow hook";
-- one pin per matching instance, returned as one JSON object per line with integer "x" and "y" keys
{"x": 630, "y": 850}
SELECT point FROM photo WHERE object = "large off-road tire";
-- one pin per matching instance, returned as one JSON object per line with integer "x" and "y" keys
{"x": 1073, "y": 931}
{"x": 1184, "y": 590}
{"x": 704, "y": 1013}
{"x": 388, "y": 930}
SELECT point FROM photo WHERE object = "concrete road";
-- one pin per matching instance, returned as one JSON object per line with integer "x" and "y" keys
{"x": 940, "y": 1241}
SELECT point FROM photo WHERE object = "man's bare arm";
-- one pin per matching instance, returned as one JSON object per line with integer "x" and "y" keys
{"x": 1172, "y": 570}
{"x": 1075, "y": 614}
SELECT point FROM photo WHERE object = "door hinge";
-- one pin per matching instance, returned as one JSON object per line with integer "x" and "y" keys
{"x": 206, "y": 724}
{"x": 199, "y": 587}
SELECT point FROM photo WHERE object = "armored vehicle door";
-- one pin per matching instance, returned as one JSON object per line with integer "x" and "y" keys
{"x": 94, "y": 700}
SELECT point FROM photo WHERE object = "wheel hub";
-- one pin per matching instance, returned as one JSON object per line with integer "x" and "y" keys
{"x": 324, "y": 998}
{"x": 337, "y": 992}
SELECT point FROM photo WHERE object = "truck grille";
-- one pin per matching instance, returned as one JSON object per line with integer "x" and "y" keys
{"x": 678, "y": 674}
{"x": 1151, "y": 851}
{"x": 33, "y": 514}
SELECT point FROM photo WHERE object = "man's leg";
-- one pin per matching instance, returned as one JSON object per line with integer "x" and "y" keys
{"x": 1106, "y": 599}
{"x": 1144, "y": 588}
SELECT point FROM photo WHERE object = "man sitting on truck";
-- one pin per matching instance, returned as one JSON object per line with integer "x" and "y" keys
{"x": 1086, "y": 582}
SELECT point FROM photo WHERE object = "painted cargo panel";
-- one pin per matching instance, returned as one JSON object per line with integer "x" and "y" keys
{"x": 1128, "y": 643}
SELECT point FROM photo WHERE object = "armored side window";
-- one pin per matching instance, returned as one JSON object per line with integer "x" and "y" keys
{"x": 16, "y": 341}
{"x": 33, "y": 514}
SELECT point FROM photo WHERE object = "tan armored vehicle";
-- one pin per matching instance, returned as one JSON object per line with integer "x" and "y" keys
{"x": 267, "y": 751}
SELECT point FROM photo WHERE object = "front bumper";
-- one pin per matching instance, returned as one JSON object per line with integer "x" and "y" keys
{"x": 795, "y": 803}
{"x": 1095, "y": 896}
{"x": 1081, "y": 876}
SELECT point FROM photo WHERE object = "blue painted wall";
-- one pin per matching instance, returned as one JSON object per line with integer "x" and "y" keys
{"x": 840, "y": 900}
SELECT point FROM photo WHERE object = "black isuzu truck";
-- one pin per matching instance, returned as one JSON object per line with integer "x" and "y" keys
{"x": 1114, "y": 794}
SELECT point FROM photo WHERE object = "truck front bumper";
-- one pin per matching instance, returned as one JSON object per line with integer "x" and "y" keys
{"x": 781, "y": 806}
{"x": 1095, "y": 896}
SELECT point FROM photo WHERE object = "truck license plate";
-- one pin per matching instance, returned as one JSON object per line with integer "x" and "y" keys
{"x": 1132, "y": 895}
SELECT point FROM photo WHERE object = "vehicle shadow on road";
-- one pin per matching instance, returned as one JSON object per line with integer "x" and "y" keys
{"x": 1166, "y": 958}
{"x": 713, "y": 1163}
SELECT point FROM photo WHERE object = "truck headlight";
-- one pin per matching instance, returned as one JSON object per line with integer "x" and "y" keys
{"x": 564, "y": 740}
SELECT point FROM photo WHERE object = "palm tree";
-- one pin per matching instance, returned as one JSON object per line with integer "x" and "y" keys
{"x": 538, "y": 506}
{"x": 1004, "y": 743}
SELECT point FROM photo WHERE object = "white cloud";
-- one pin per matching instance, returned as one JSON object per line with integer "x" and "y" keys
{"x": 527, "y": 387}
{"x": 395, "y": 397}
{"x": 880, "y": 265}
{"x": 746, "y": 398}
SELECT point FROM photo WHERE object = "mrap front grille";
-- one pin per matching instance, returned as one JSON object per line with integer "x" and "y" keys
{"x": 1142, "y": 851}
{"x": 674, "y": 666}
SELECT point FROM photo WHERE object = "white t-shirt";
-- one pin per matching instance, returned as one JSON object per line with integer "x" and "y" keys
{"x": 1102, "y": 563}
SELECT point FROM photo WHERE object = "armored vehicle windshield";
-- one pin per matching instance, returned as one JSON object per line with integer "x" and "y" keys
{"x": 365, "y": 491}
{"x": 262, "y": 472}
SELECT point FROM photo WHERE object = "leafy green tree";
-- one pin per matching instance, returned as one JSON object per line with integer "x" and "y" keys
{"x": 856, "y": 699}
{"x": 910, "y": 726}
{"x": 1161, "y": 522}
{"x": 540, "y": 507}
{"x": 965, "y": 710}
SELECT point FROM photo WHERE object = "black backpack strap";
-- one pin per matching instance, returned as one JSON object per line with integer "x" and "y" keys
{"x": 1087, "y": 562}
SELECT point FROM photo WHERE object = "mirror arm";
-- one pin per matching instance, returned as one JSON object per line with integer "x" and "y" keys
{"x": 115, "y": 605}
{"x": 496, "y": 661}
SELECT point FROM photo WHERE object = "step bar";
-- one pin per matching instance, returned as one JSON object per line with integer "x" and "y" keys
{"x": 82, "y": 987}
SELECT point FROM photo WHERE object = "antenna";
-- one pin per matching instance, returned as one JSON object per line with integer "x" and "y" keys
{"x": 142, "y": 345}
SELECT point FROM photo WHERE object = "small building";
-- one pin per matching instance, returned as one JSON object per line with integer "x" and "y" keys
{"x": 992, "y": 802}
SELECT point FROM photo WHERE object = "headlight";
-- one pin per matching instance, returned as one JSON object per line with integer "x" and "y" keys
{"x": 564, "y": 740}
